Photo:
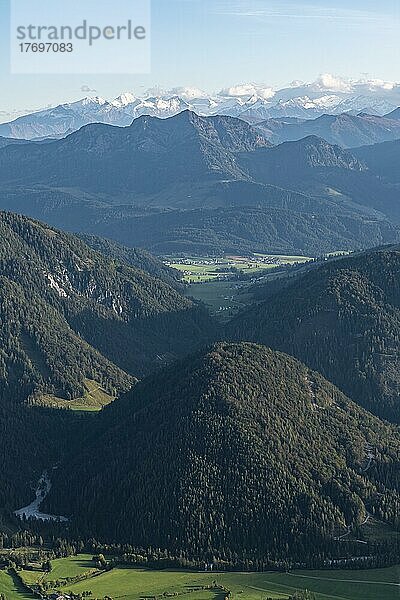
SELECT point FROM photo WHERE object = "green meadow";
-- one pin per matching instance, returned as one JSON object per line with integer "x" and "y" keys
{"x": 139, "y": 584}
{"x": 206, "y": 269}
{"x": 93, "y": 400}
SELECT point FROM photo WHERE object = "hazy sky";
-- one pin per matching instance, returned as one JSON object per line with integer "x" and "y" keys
{"x": 213, "y": 44}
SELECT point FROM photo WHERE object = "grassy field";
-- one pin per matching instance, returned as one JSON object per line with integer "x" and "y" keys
{"x": 206, "y": 269}
{"x": 139, "y": 584}
{"x": 93, "y": 400}
{"x": 62, "y": 568}
{"x": 70, "y": 567}
{"x": 12, "y": 589}
{"x": 224, "y": 298}
{"x": 213, "y": 281}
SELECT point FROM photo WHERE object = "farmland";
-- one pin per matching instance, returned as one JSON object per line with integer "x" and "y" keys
{"x": 223, "y": 298}
{"x": 138, "y": 583}
{"x": 206, "y": 269}
{"x": 221, "y": 282}
{"x": 12, "y": 589}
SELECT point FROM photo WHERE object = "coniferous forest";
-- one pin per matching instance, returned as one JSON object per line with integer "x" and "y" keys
{"x": 237, "y": 452}
{"x": 200, "y": 300}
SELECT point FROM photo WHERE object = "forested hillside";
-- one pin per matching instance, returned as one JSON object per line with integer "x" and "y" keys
{"x": 235, "y": 451}
{"x": 135, "y": 257}
{"x": 32, "y": 439}
{"x": 319, "y": 169}
{"x": 342, "y": 319}
{"x": 69, "y": 315}
{"x": 382, "y": 159}
{"x": 58, "y": 297}
{"x": 5, "y": 141}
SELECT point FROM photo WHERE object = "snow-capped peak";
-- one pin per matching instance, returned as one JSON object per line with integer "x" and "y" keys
{"x": 328, "y": 95}
{"x": 93, "y": 100}
{"x": 123, "y": 100}
{"x": 187, "y": 93}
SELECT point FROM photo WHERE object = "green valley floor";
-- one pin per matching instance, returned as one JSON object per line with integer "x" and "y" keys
{"x": 140, "y": 584}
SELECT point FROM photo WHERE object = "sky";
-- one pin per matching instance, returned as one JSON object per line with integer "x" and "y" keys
{"x": 215, "y": 44}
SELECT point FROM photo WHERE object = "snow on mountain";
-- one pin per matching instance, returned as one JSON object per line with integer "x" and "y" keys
{"x": 327, "y": 95}
{"x": 90, "y": 102}
{"x": 124, "y": 100}
{"x": 357, "y": 104}
{"x": 64, "y": 119}
{"x": 157, "y": 107}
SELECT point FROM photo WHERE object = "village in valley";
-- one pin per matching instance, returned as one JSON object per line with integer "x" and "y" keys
{"x": 223, "y": 283}
{"x": 204, "y": 269}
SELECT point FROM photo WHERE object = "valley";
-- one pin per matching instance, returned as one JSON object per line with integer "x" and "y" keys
{"x": 139, "y": 583}
{"x": 200, "y": 341}
{"x": 197, "y": 398}
{"x": 224, "y": 283}
{"x": 209, "y": 268}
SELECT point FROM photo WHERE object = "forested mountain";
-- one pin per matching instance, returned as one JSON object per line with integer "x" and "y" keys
{"x": 229, "y": 217}
{"x": 250, "y": 229}
{"x": 235, "y": 451}
{"x": 136, "y": 257}
{"x": 383, "y": 160}
{"x": 42, "y": 280}
{"x": 187, "y": 183}
{"x": 342, "y": 319}
{"x": 143, "y": 159}
{"x": 68, "y": 311}
{"x": 346, "y": 130}
{"x": 4, "y": 141}
{"x": 68, "y": 315}
{"x": 317, "y": 168}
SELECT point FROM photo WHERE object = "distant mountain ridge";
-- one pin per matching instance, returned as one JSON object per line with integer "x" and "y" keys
{"x": 249, "y": 102}
{"x": 346, "y": 130}
{"x": 113, "y": 159}
{"x": 6, "y": 141}
{"x": 201, "y": 184}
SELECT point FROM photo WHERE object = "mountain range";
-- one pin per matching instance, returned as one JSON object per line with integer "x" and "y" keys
{"x": 235, "y": 451}
{"x": 253, "y": 103}
{"x": 345, "y": 130}
{"x": 202, "y": 185}
{"x": 266, "y": 439}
